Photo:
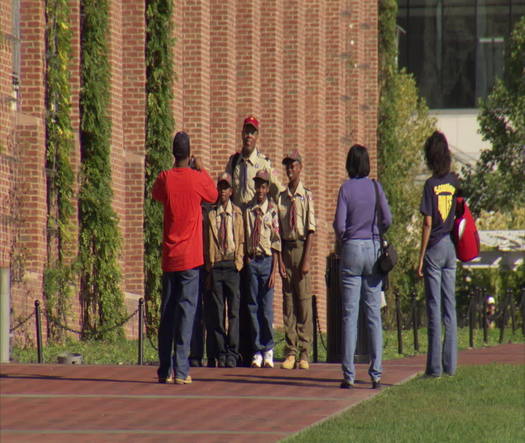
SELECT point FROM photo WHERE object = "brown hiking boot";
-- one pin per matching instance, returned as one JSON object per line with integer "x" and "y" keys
{"x": 289, "y": 362}
{"x": 303, "y": 364}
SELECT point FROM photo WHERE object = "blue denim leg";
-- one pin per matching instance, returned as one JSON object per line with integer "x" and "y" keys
{"x": 360, "y": 279}
{"x": 260, "y": 303}
{"x": 166, "y": 326}
{"x": 188, "y": 282}
{"x": 440, "y": 283}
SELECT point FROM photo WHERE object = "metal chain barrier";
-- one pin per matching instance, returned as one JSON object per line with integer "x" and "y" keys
{"x": 23, "y": 322}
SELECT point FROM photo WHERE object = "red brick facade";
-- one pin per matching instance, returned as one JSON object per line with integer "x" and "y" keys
{"x": 307, "y": 69}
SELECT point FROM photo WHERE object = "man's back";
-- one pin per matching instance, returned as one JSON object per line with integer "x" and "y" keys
{"x": 181, "y": 191}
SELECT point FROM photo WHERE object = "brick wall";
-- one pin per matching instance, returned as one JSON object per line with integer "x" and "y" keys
{"x": 307, "y": 69}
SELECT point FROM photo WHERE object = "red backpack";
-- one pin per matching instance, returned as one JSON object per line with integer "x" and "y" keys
{"x": 465, "y": 234}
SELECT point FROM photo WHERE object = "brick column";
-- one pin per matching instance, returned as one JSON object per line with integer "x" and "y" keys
{"x": 223, "y": 136}
{"x": 196, "y": 75}
{"x": 248, "y": 64}
{"x": 272, "y": 87}
{"x": 294, "y": 76}
{"x": 178, "y": 96}
{"x": 315, "y": 140}
{"x": 31, "y": 252}
{"x": 134, "y": 106}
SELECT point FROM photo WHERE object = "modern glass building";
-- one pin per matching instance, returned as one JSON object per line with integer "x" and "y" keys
{"x": 455, "y": 49}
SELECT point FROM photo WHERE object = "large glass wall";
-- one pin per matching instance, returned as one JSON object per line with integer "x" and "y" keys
{"x": 455, "y": 48}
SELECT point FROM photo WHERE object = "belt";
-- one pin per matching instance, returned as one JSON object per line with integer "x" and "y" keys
{"x": 258, "y": 255}
{"x": 292, "y": 242}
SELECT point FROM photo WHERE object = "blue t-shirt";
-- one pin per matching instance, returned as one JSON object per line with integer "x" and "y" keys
{"x": 439, "y": 201}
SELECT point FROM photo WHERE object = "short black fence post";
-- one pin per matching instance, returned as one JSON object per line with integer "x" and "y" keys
{"x": 315, "y": 323}
{"x": 484, "y": 316}
{"x": 512, "y": 310}
{"x": 503, "y": 319}
{"x": 522, "y": 302}
{"x": 141, "y": 332}
{"x": 471, "y": 318}
{"x": 38, "y": 332}
{"x": 398, "y": 321}
{"x": 414, "y": 321}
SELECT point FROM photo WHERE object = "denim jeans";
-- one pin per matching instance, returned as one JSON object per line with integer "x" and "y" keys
{"x": 360, "y": 281}
{"x": 177, "y": 312}
{"x": 440, "y": 293}
{"x": 260, "y": 303}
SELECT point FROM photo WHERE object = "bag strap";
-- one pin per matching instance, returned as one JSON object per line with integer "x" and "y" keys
{"x": 378, "y": 214}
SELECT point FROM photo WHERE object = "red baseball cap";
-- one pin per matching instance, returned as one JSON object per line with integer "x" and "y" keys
{"x": 251, "y": 120}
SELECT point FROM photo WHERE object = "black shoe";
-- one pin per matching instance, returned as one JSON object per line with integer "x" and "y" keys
{"x": 212, "y": 363}
{"x": 195, "y": 362}
{"x": 222, "y": 361}
{"x": 166, "y": 380}
{"x": 376, "y": 384}
{"x": 231, "y": 361}
{"x": 345, "y": 384}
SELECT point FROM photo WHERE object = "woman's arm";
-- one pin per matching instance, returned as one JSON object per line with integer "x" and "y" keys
{"x": 340, "y": 215}
{"x": 425, "y": 235}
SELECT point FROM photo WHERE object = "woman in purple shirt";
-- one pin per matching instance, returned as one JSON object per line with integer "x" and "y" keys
{"x": 356, "y": 226}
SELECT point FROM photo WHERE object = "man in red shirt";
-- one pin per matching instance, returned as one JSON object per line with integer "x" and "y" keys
{"x": 181, "y": 190}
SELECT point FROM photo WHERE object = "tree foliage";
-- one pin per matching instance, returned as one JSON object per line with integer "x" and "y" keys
{"x": 59, "y": 275}
{"x": 99, "y": 242}
{"x": 497, "y": 181}
{"x": 159, "y": 131}
{"x": 403, "y": 126}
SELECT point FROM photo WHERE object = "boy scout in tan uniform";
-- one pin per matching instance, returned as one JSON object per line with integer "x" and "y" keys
{"x": 225, "y": 258}
{"x": 297, "y": 224}
{"x": 263, "y": 246}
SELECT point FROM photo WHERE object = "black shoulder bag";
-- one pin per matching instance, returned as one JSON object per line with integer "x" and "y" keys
{"x": 387, "y": 253}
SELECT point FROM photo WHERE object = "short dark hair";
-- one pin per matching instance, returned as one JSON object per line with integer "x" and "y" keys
{"x": 181, "y": 145}
{"x": 437, "y": 154}
{"x": 358, "y": 162}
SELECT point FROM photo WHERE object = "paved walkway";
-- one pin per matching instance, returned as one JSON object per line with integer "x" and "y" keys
{"x": 53, "y": 403}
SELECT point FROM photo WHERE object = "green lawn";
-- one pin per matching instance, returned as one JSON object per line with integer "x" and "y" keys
{"x": 480, "y": 404}
{"x": 125, "y": 351}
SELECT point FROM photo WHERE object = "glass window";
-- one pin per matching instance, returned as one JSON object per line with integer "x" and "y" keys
{"x": 455, "y": 48}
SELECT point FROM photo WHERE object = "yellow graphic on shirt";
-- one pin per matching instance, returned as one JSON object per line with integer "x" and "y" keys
{"x": 445, "y": 194}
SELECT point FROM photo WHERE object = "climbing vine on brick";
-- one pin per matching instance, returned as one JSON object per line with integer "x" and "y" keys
{"x": 59, "y": 273}
{"x": 99, "y": 237}
{"x": 159, "y": 132}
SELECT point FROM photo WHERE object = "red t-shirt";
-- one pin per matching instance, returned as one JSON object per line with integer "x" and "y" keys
{"x": 181, "y": 191}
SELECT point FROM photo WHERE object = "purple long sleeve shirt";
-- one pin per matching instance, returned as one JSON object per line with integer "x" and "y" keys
{"x": 355, "y": 210}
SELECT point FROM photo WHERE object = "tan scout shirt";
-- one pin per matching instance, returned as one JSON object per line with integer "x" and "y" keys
{"x": 234, "y": 235}
{"x": 305, "y": 213}
{"x": 243, "y": 172}
{"x": 270, "y": 238}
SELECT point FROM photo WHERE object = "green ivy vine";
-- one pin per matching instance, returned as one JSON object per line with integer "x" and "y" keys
{"x": 58, "y": 275}
{"x": 159, "y": 131}
{"x": 99, "y": 237}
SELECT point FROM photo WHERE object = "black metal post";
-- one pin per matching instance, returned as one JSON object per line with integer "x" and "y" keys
{"x": 484, "y": 316}
{"x": 141, "y": 331}
{"x": 314, "y": 320}
{"x": 38, "y": 332}
{"x": 503, "y": 319}
{"x": 471, "y": 316}
{"x": 523, "y": 309}
{"x": 512, "y": 310}
{"x": 398, "y": 321}
{"x": 414, "y": 321}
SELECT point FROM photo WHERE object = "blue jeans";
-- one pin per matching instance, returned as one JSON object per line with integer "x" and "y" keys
{"x": 360, "y": 281}
{"x": 439, "y": 270}
{"x": 180, "y": 291}
{"x": 260, "y": 303}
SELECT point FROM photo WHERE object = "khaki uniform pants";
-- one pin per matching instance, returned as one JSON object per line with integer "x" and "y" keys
{"x": 297, "y": 303}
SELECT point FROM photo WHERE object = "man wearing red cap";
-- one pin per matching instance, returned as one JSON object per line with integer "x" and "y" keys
{"x": 243, "y": 167}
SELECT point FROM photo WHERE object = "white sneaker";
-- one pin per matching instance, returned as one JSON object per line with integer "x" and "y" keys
{"x": 257, "y": 360}
{"x": 268, "y": 359}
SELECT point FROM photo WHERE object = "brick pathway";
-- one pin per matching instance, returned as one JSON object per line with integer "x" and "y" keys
{"x": 124, "y": 403}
